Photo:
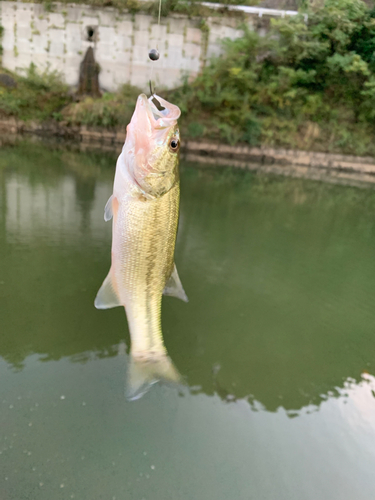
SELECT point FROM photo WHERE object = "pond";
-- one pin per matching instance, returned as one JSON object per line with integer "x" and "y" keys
{"x": 276, "y": 345}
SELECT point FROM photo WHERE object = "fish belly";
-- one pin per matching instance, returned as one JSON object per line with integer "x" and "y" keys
{"x": 144, "y": 236}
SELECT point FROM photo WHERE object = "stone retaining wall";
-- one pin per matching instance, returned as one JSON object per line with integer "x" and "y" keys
{"x": 59, "y": 39}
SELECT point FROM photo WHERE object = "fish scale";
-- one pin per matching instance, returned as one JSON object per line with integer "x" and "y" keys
{"x": 146, "y": 248}
{"x": 145, "y": 208}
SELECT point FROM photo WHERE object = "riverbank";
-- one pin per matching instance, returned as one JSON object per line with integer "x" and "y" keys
{"x": 306, "y": 100}
{"x": 336, "y": 168}
{"x": 313, "y": 91}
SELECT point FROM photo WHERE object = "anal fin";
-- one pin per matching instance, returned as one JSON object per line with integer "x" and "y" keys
{"x": 107, "y": 297}
{"x": 174, "y": 286}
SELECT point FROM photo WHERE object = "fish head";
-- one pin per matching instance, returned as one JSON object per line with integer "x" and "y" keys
{"x": 151, "y": 149}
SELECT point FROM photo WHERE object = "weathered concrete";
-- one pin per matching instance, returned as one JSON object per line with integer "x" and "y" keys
{"x": 58, "y": 40}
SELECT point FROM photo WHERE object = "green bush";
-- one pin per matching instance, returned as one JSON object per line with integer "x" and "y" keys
{"x": 111, "y": 110}
{"x": 1, "y": 35}
{"x": 37, "y": 95}
{"x": 307, "y": 85}
{"x": 320, "y": 71}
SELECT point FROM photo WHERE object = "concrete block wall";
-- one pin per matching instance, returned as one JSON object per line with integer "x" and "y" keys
{"x": 59, "y": 39}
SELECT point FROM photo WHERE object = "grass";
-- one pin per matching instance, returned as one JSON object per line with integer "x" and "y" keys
{"x": 38, "y": 96}
{"x": 43, "y": 97}
{"x": 110, "y": 111}
{"x": 191, "y": 8}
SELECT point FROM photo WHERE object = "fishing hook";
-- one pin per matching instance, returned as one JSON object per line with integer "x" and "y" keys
{"x": 153, "y": 98}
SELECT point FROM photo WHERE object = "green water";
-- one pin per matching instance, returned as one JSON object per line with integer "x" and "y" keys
{"x": 277, "y": 343}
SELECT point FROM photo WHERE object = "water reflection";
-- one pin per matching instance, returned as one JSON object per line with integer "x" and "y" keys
{"x": 65, "y": 424}
{"x": 279, "y": 272}
{"x": 360, "y": 395}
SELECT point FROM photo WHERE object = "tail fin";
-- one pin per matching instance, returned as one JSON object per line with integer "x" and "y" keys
{"x": 145, "y": 369}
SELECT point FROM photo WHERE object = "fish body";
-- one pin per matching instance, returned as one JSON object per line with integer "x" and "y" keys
{"x": 145, "y": 210}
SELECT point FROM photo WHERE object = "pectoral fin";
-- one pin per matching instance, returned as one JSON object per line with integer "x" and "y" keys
{"x": 174, "y": 286}
{"x": 108, "y": 211}
{"x": 107, "y": 296}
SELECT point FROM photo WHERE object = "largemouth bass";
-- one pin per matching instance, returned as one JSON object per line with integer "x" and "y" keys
{"x": 144, "y": 207}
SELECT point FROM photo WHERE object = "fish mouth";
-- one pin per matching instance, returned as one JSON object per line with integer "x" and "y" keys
{"x": 158, "y": 117}
{"x": 150, "y": 126}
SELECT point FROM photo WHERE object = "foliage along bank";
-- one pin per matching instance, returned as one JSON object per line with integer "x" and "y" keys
{"x": 306, "y": 85}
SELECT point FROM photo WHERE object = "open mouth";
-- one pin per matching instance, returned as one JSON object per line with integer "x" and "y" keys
{"x": 156, "y": 103}
{"x": 157, "y": 109}
{"x": 161, "y": 111}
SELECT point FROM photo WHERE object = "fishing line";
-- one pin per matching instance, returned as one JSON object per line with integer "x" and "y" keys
{"x": 159, "y": 15}
{"x": 154, "y": 56}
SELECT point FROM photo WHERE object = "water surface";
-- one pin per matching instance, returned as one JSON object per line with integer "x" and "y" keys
{"x": 277, "y": 343}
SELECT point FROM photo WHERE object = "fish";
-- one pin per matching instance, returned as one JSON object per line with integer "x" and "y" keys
{"x": 144, "y": 208}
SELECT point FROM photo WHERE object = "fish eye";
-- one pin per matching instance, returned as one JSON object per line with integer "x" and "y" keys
{"x": 174, "y": 144}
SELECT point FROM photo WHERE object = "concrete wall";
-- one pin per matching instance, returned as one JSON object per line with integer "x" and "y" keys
{"x": 59, "y": 40}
